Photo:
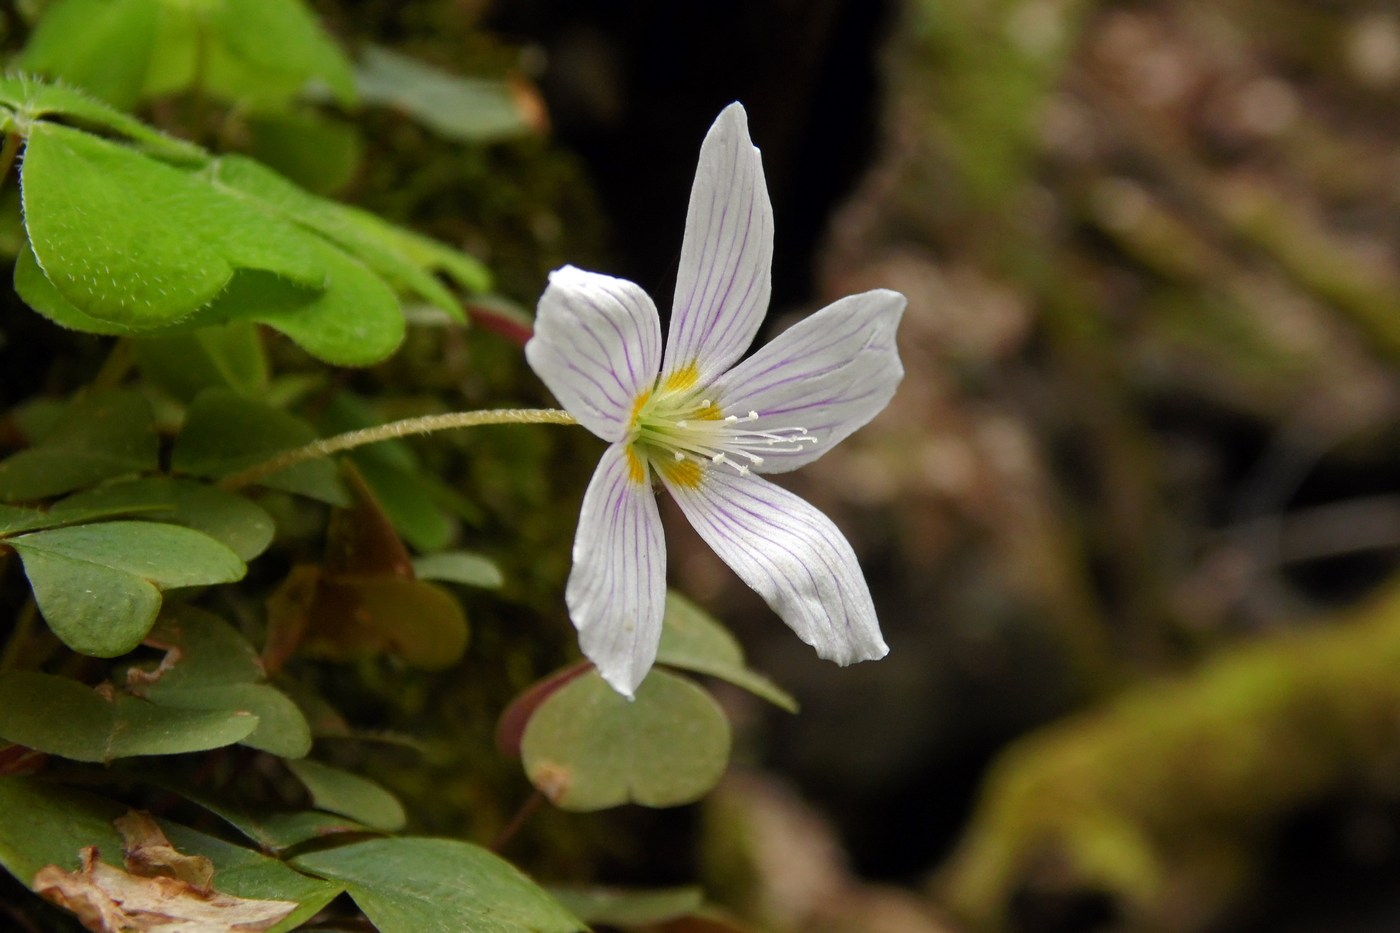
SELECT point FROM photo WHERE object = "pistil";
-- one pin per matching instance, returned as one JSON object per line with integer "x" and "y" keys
{"x": 672, "y": 423}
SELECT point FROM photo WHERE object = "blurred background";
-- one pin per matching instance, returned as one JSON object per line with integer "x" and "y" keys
{"x": 1131, "y": 523}
{"x": 1132, "y": 519}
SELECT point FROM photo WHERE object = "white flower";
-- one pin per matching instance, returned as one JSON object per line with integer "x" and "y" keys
{"x": 705, "y": 426}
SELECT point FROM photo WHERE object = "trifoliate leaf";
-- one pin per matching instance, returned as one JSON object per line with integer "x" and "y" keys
{"x": 98, "y": 436}
{"x": 99, "y": 45}
{"x": 225, "y": 432}
{"x": 589, "y": 748}
{"x": 404, "y": 259}
{"x": 185, "y": 253}
{"x": 31, "y": 99}
{"x": 438, "y": 886}
{"x": 63, "y": 717}
{"x": 136, "y": 242}
{"x": 210, "y": 666}
{"x": 459, "y": 108}
{"x": 229, "y": 356}
{"x": 349, "y": 795}
{"x": 462, "y": 567}
{"x": 241, "y": 525}
{"x": 98, "y": 586}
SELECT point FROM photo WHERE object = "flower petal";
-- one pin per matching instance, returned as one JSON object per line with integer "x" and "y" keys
{"x": 726, "y": 274}
{"x": 792, "y": 555}
{"x": 597, "y": 346}
{"x": 617, "y": 589}
{"x": 830, "y": 374}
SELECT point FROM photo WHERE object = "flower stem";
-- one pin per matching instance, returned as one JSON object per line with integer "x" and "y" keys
{"x": 426, "y": 424}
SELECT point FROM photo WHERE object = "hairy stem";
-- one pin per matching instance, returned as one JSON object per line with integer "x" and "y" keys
{"x": 426, "y": 424}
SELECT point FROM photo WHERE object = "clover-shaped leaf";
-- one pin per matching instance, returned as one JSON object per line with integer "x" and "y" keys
{"x": 438, "y": 886}
{"x": 588, "y": 748}
{"x": 242, "y": 526}
{"x": 99, "y": 586}
{"x": 210, "y": 666}
{"x": 98, "y": 436}
{"x": 349, "y": 795}
{"x": 184, "y": 252}
{"x": 225, "y": 432}
{"x": 63, "y": 717}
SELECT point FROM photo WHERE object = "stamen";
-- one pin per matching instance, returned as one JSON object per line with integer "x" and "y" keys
{"x": 667, "y": 423}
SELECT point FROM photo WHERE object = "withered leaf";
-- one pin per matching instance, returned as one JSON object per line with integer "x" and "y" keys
{"x": 161, "y": 890}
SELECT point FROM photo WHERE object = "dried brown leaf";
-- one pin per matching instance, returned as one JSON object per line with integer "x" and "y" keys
{"x": 149, "y": 854}
{"x": 163, "y": 892}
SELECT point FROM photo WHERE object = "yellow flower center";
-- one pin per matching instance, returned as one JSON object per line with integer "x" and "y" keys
{"x": 682, "y": 434}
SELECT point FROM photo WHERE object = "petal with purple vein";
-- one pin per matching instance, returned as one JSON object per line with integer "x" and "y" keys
{"x": 830, "y": 373}
{"x": 617, "y": 590}
{"x": 792, "y": 555}
{"x": 725, "y": 275}
{"x": 597, "y": 346}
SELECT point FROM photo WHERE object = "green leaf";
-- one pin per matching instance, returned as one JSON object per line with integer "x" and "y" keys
{"x": 264, "y": 52}
{"x": 404, "y": 259}
{"x": 353, "y": 320}
{"x": 693, "y": 641}
{"x": 62, "y": 717}
{"x": 35, "y": 289}
{"x": 230, "y": 356}
{"x": 589, "y": 748}
{"x": 14, "y": 521}
{"x": 272, "y": 830}
{"x": 203, "y": 651}
{"x": 32, "y": 100}
{"x": 136, "y": 242}
{"x": 319, "y": 153}
{"x": 210, "y": 666}
{"x": 98, "y": 586}
{"x": 47, "y": 824}
{"x": 438, "y": 886}
{"x": 349, "y": 795}
{"x": 462, "y": 567}
{"x": 225, "y": 433}
{"x": 100, "y": 45}
{"x": 629, "y": 908}
{"x": 240, "y": 525}
{"x": 282, "y": 729}
{"x": 140, "y": 245}
{"x": 99, "y": 436}
{"x": 463, "y": 109}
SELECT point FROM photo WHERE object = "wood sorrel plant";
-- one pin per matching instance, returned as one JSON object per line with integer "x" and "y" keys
{"x": 141, "y": 663}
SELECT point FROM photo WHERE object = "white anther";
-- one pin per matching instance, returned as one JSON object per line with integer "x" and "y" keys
{"x": 718, "y": 458}
{"x": 731, "y": 419}
{"x": 679, "y": 455}
{"x": 753, "y": 416}
{"x": 682, "y": 425}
